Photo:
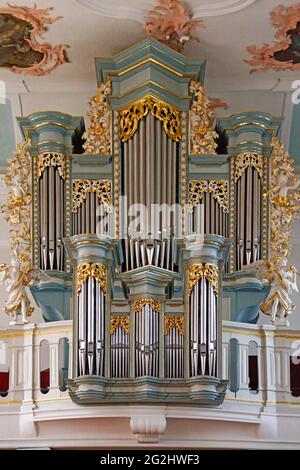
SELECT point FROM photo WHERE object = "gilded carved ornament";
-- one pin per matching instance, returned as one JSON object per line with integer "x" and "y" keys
{"x": 284, "y": 199}
{"x": 119, "y": 321}
{"x": 207, "y": 271}
{"x": 131, "y": 115}
{"x": 203, "y": 137}
{"x": 95, "y": 271}
{"x": 140, "y": 304}
{"x": 218, "y": 189}
{"x": 81, "y": 188}
{"x": 174, "y": 322}
{"x": 248, "y": 159}
{"x": 51, "y": 159}
{"x": 17, "y": 212}
{"x": 99, "y": 135}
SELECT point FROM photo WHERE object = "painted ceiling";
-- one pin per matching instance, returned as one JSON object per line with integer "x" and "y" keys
{"x": 102, "y": 28}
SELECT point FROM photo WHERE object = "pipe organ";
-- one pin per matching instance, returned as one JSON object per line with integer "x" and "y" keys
{"x": 145, "y": 232}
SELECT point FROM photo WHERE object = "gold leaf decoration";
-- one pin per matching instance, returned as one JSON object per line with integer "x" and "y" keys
{"x": 203, "y": 137}
{"x": 207, "y": 271}
{"x": 53, "y": 159}
{"x": 218, "y": 189}
{"x": 247, "y": 159}
{"x": 174, "y": 322}
{"x": 131, "y": 115}
{"x": 119, "y": 321}
{"x": 99, "y": 135}
{"x": 140, "y": 304}
{"x": 90, "y": 270}
{"x": 81, "y": 188}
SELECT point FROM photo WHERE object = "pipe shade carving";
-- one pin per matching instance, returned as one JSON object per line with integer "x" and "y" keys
{"x": 167, "y": 114}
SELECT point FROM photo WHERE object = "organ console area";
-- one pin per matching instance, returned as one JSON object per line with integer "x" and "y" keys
{"x": 146, "y": 242}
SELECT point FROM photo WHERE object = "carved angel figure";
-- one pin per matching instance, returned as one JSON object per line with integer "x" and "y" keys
{"x": 170, "y": 23}
{"x": 283, "y": 280}
{"x": 16, "y": 278}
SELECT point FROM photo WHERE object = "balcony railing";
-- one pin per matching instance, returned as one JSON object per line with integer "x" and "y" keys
{"x": 260, "y": 362}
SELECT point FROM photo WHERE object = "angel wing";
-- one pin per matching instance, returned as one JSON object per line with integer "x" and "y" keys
{"x": 38, "y": 275}
{"x": 4, "y": 272}
{"x": 262, "y": 268}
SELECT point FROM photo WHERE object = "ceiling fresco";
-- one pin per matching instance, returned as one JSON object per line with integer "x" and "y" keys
{"x": 284, "y": 53}
{"x": 20, "y": 50}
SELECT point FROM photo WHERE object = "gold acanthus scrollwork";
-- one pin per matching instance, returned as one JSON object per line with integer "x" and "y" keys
{"x": 99, "y": 135}
{"x": 284, "y": 199}
{"x": 140, "y": 304}
{"x": 95, "y": 271}
{"x": 174, "y": 322}
{"x": 203, "y": 137}
{"x": 131, "y": 115}
{"x": 48, "y": 159}
{"x": 248, "y": 159}
{"x": 218, "y": 189}
{"x": 81, "y": 188}
{"x": 207, "y": 271}
{"x": 119, "y": 321}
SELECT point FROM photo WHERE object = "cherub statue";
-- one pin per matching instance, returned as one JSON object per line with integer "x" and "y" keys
{"x": 16, "y": 278}
{"x": 285, "y": 183}
{"x": 283, "y": 280}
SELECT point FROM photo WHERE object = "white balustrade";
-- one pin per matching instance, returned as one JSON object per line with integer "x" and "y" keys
{"x": 20, "y": 349}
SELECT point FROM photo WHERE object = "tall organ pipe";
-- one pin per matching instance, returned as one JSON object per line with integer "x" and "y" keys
{"x": 248, "y": 190}
{"x": 150, "y": 174}
{"x": 52, "y": 232}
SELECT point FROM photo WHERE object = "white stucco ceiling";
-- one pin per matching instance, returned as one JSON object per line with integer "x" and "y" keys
{"x": 223, "y": 41}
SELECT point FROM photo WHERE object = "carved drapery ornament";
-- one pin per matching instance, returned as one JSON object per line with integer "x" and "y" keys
{"x": 81, "y": 188}
{"x": 119, "y": 321}
{"x": 174, "y": 322}
{"x": 140, "y": 304}
{"x": 245, "y": 160}
{"x": 218, "y": 189}
{"x": 207, "y": 271}
{"x": 57, "y": 160}
{"x": 131, "y": 115}
{"x": 95, "y": 271}
{"x": 203, "y": 137}
{"x": 99, "y": 135}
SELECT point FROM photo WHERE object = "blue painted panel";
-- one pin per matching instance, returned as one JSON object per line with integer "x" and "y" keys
{"x": 294, "y": 148}
{"x": 7, "y": 133}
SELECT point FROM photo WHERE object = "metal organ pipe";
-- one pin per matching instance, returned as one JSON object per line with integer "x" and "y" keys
{"x": 51, "y": 205}
{"x": 150, "y": 173}
{"x": 203, "y": 326}
{"x": 91, "y": 327}
{"x": 248, "y": 189}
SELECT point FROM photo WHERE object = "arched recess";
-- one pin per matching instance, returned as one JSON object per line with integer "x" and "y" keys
{"x": 44, "y": 366}
{"x": 253, "y": 366}
{"x": 63, "y": 362}
{"x": 4, "y": 370}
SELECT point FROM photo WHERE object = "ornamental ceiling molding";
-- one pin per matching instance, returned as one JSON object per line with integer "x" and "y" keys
{"x": 286, "y": 21}
{"x": 20, "y": 51}
{"x": 131, "y": 11}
